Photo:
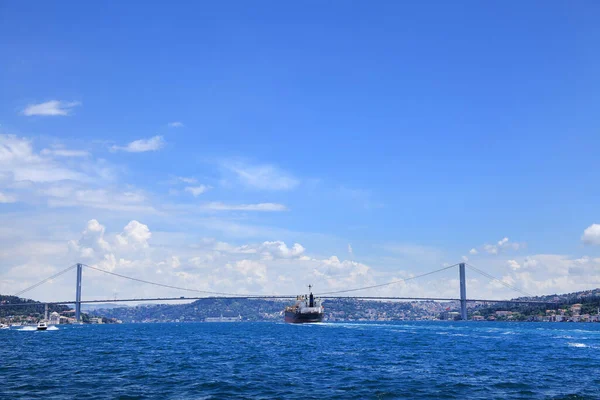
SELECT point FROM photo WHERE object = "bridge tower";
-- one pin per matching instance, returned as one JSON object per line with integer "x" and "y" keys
{"x": 463, "y": 292}
{"x": 78, "y": 294}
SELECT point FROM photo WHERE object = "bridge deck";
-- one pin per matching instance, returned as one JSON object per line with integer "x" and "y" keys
{"x": 278, "y": 297}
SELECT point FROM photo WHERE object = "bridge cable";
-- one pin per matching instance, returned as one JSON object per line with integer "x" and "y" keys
{"x": 45, "y": 280}
{"x": 508, "y": 285}
{"x": 163, "y": 285}
{"x": 389, "y": 283}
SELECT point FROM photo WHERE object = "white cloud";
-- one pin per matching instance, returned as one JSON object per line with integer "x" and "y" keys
{"x": 246, "y": 268}
{"x": 173, "y": 262}
{"x": 253, "y": 273}
{"x": 217, "y": 206}
{"x": 464, "y": 258}
{"x": 490, "y": 248}
{"x": 340, "y": 275}
{"x": 6, "y": 198}
{"x": 19, "y": 162}
{"x": 197, "y": 190}
{"x": 502, "y": 245}
{"x": 135, "y": 234}
{"x": 513, "y": 264}
{"x": 263, "y": 177}
{"x": 142, "y": 145}
{"x": 350, "y": 250}
{"x": 473, "y": 251}
{"x": 51, "y": 176}
{"x": 91, "y": 242}
{"x": 279, "y": 249}
{"x": 591, "y": 235}
{"x": 70, "y": 195}
{"x": 176, "y": 124}
{"x": 51, "y": 108}
{"x": 62, "y": 152}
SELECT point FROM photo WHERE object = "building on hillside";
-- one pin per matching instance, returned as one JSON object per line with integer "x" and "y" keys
{"x": 503, "y": 313}
{"x": 449, "y": 315}
{"x": 54, "y": 318}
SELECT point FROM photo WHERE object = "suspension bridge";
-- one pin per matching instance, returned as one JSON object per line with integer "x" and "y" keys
{"x": 338, "y": 294}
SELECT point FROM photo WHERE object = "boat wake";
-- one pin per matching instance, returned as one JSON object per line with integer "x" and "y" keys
{"x": 27, "y": 329}
{"x": 34, "y": 329}
{"x": 577, "y": 345}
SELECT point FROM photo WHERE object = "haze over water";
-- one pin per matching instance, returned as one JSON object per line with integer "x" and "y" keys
{"x": 434, "y": 360}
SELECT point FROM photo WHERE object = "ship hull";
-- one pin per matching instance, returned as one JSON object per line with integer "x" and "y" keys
{"x": 302, "y": 318}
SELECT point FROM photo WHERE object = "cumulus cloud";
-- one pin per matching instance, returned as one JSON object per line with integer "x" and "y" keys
{"x": 345, "y": 274}
{"x": 135, "y": 234}
{"x": 51, "y": 108}
{"x": 176, "y": 124}
{"x": 142, "y": 145}
{"x": 263, "y": 177}
{"x": 279, "y": 249}
{"x": 197, "y": 190}
{"x": 473, "y": 251}
{"x": 253, "y": 273}
{"x": 218, "y": 206}
{"x": 91, "y": 242}
{"x": 591, "y": 235}
{"x": 107, "y": 253}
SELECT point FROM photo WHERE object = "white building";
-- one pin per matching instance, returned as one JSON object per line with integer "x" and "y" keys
{"x": 54, "y": 318}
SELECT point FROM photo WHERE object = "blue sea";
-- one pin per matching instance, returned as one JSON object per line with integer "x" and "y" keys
{"x": 396, "y": 360}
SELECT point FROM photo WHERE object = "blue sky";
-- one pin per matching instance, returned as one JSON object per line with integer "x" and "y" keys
{"x": 404, "y": 130}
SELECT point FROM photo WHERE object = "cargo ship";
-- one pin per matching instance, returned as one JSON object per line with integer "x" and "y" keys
{"x": 306, "y": 309}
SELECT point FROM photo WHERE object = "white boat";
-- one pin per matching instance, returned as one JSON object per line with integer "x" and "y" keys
{"x": 2, "y": 326}
{"x": 42, "y": 326}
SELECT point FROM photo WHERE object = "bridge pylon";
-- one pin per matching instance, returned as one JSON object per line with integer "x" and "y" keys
{"x": 78, "y": 293}
{"x": 463, "y": 292}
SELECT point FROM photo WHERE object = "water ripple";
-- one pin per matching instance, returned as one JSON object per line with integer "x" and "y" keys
{"x": 334, "y": 361}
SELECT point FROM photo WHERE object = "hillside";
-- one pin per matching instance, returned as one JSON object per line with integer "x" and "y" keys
{"x": 589, "y": 300}
{"x": 266, "y": 310}
{"x": 36, "y": 309}
{"x": 335, "y": 310}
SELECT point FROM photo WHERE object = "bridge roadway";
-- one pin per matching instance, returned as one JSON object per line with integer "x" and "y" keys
{"x": 276, "y": 297}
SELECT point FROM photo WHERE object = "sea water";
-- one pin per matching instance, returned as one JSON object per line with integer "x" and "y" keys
{"x": 395, "y": 360}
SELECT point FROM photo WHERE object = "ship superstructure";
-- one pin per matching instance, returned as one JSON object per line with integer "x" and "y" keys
{"x": 306, "y": 309}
